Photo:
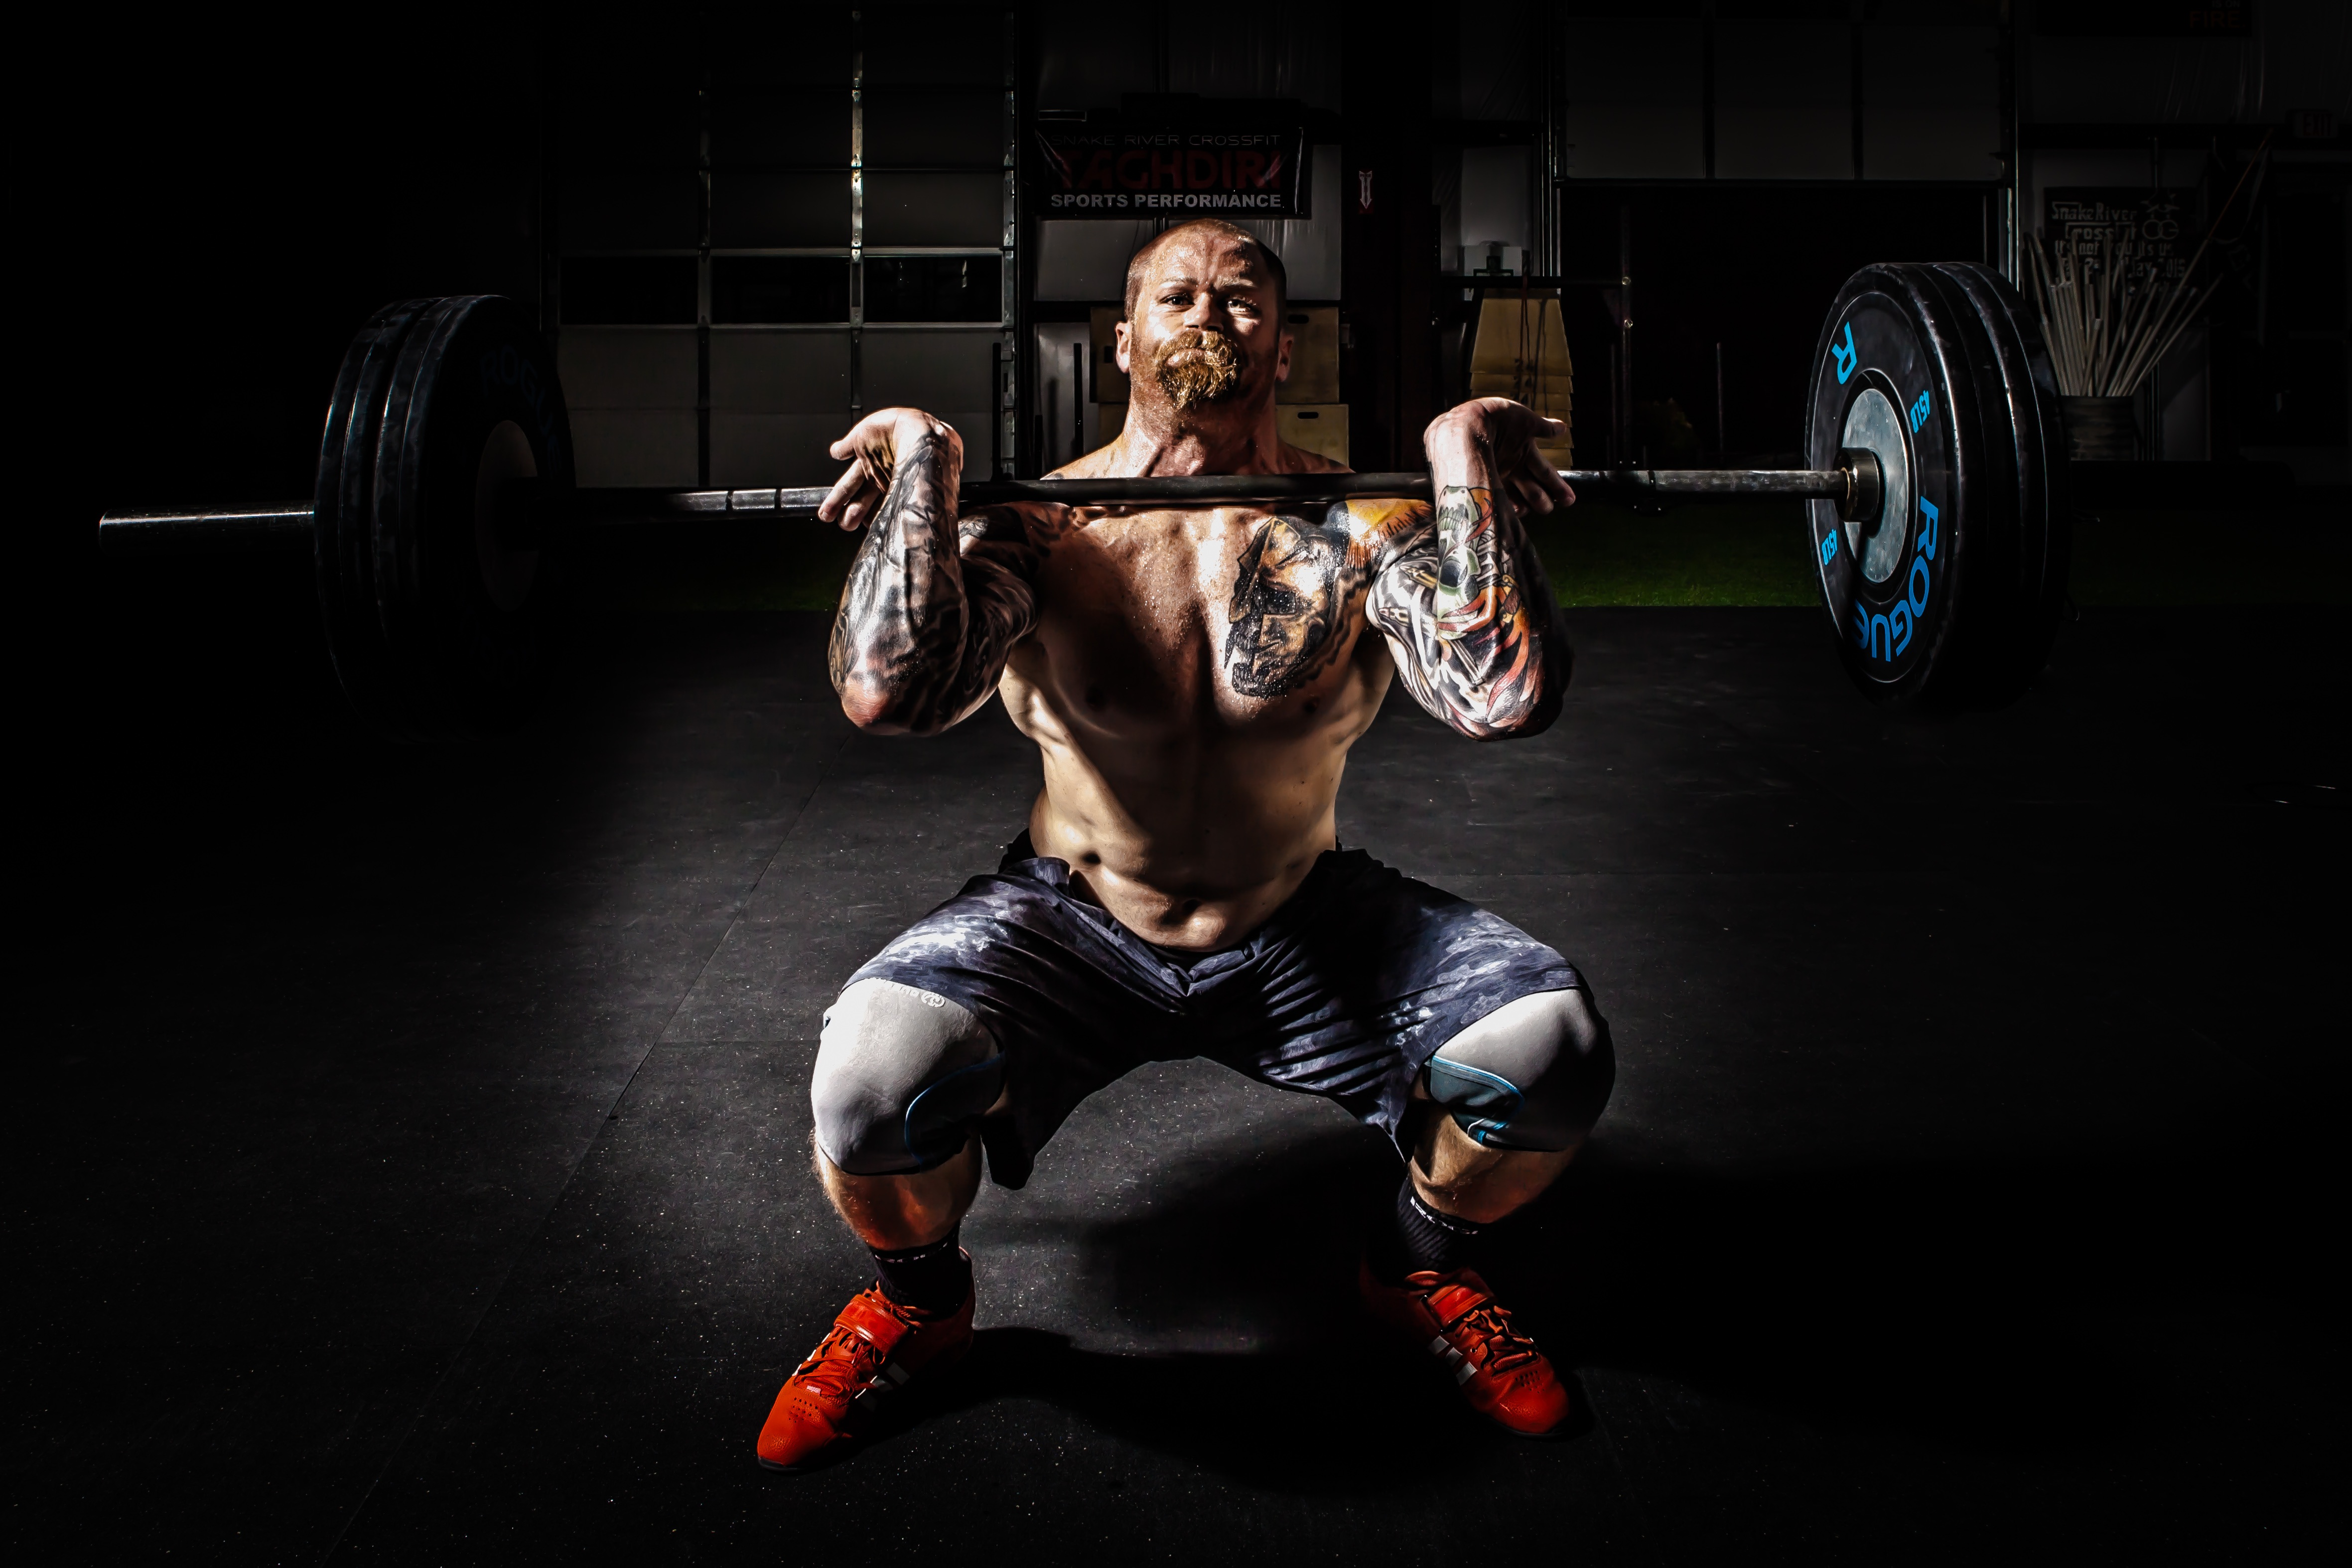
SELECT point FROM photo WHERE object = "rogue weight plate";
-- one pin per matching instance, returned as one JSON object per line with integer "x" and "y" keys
{"x": 1983, "y": 654}
{"x": 2029, "y": 416}
{"x": 1884, "y": 380}
{"x": 343, "y": 556}
{"x": 438, "y": 604}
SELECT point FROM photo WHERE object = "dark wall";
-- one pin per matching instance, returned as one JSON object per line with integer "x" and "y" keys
{"x": 1752, "y": 267}
{"x": 239, "y": 206}
{"x": 222, "y": 210}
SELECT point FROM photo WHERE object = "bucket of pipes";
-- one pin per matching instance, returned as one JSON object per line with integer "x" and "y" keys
{"x": 2101, "y": 429}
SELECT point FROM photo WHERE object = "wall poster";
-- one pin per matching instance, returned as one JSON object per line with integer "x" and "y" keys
{"x": 1213, "y": 165}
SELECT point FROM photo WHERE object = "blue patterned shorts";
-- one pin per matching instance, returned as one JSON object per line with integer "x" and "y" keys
{"x": 1346, "y": 991}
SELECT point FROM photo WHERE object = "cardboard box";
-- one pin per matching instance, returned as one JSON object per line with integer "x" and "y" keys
{"x": 1320, "y": 427}
{"x": 1522, "y": 354}
{"x": 1313, "y": 354}
{"x": 1108, "y": 382}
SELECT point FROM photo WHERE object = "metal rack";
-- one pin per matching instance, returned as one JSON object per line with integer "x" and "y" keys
{"x": 755, "y": 119}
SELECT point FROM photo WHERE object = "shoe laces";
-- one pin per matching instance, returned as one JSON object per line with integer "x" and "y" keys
{"x": 843, "y": 1362}
{"x": 1488, "y": 1325}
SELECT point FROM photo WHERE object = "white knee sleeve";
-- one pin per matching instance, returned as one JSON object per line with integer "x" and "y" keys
{"x": 1532, "y": 1074}
{"x": 901, "y": 1074}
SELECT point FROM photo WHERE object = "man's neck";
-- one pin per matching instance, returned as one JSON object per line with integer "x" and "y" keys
{"x": 1162, "y": 441}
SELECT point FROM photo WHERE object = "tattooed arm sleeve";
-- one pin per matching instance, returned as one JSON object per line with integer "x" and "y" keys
{"x": 1470, "y": 618}
{"x": 933, "y": 605}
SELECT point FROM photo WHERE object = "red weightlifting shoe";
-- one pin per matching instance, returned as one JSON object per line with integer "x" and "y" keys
{"x": 1502, "y": 1374}
{"x": 877, "y": 1347}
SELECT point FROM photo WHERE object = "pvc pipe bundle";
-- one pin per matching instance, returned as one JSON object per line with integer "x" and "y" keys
{"x": 2107, "y": 335}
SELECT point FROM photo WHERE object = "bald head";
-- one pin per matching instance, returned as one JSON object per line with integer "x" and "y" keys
{"x": 1209, "y": 233}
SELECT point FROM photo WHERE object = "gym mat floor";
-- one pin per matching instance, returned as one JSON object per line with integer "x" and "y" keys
{"x": 410, "y": 1146}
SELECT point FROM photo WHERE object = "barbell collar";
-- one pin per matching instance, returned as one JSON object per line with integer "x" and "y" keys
{"x": 1865, "y": 494}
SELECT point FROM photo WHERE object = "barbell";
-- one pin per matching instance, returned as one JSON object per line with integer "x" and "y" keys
{"x": 1936, "y": 527}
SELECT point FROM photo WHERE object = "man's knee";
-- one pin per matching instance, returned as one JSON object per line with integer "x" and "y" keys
{"x": 901, "y": 1075}
{"x": 1533, "y": 1074}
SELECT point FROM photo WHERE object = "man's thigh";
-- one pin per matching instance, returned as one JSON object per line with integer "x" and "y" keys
{"x": 1370, "y": 977}
{"x": 1057, "y": 994}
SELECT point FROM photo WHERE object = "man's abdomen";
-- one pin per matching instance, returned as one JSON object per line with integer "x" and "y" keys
{"x": 1191, "y": 838}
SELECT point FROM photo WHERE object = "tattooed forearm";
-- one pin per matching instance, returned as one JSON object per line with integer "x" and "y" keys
{"x": 932, "y": 608}
{"x": 1470, "y": 617}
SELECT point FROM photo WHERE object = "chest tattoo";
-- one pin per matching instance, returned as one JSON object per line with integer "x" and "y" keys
{"x": 1293, "y": 590}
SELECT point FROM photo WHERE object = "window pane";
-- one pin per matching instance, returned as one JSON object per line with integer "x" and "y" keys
{"x": 628, "y": 291}
{"x": 918, "y": 128}
{"x": 779, "y": 209}
{"x": 932, "y": 288}
{"x": 932, "y": 209}
{"x": 774, "y": 289}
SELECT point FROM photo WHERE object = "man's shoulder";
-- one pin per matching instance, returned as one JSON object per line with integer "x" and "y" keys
{"x": 1094, "y": 465}
{"x": 1299, "y": 461}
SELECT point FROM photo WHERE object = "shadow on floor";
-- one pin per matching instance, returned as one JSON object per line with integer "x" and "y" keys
{"x": 1988, "y": 1308}
{"x": 1352, "y": 1417}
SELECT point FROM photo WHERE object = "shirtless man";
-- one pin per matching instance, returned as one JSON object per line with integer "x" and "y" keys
{"x": 1194, "y": 678}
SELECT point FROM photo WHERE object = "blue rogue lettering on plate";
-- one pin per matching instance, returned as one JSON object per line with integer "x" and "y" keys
{"x": 1886, "y": 636}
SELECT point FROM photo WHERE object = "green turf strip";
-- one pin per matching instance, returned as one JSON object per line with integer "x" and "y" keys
{"x": 1599, "y": 553}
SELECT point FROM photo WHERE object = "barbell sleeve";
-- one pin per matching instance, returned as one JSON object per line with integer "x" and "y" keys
{"x": 227, "y": 529}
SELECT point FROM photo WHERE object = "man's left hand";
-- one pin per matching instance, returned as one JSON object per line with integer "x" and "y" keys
{"x": 1498, "y": 436}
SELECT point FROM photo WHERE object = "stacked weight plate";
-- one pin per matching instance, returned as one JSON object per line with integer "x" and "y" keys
{"x": 431, "y": 584}
{"x": 1951, "y": 593}
{"x": 2019, "y": 394}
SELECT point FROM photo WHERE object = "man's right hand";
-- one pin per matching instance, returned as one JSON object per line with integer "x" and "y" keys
{"x": 872, "y": 449}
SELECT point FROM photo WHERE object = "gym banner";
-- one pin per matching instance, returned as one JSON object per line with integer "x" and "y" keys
{"x": 1105, "y": 167}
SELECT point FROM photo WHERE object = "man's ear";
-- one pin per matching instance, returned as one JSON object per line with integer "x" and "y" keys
{"x": 1121, "y": 330}
{"x": 1281, "y": 363}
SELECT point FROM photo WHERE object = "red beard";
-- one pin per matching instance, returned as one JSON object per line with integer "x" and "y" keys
{"x": 1210, "y": 370}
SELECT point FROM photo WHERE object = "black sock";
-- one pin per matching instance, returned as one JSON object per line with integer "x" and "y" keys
{"x": 1414, "y": 1237}
{"x": 934, "y": 1278}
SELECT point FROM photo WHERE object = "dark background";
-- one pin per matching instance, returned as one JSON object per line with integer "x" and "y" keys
{"x": 240, "y": 204}
{"x": 287, "y": 980}
{"x": 239, "y": 201}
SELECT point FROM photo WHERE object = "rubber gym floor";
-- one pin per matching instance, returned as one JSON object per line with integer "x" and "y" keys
{"x": 411, "y": 1145}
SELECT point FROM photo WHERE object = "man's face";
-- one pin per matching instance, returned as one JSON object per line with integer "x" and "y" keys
{"x": 1206, "y": 335}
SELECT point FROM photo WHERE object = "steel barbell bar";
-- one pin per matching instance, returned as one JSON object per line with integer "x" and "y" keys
{"x": 1853, "y": 488}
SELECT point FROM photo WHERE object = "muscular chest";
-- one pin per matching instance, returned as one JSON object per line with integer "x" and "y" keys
{"x": 1237, "y": 615}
